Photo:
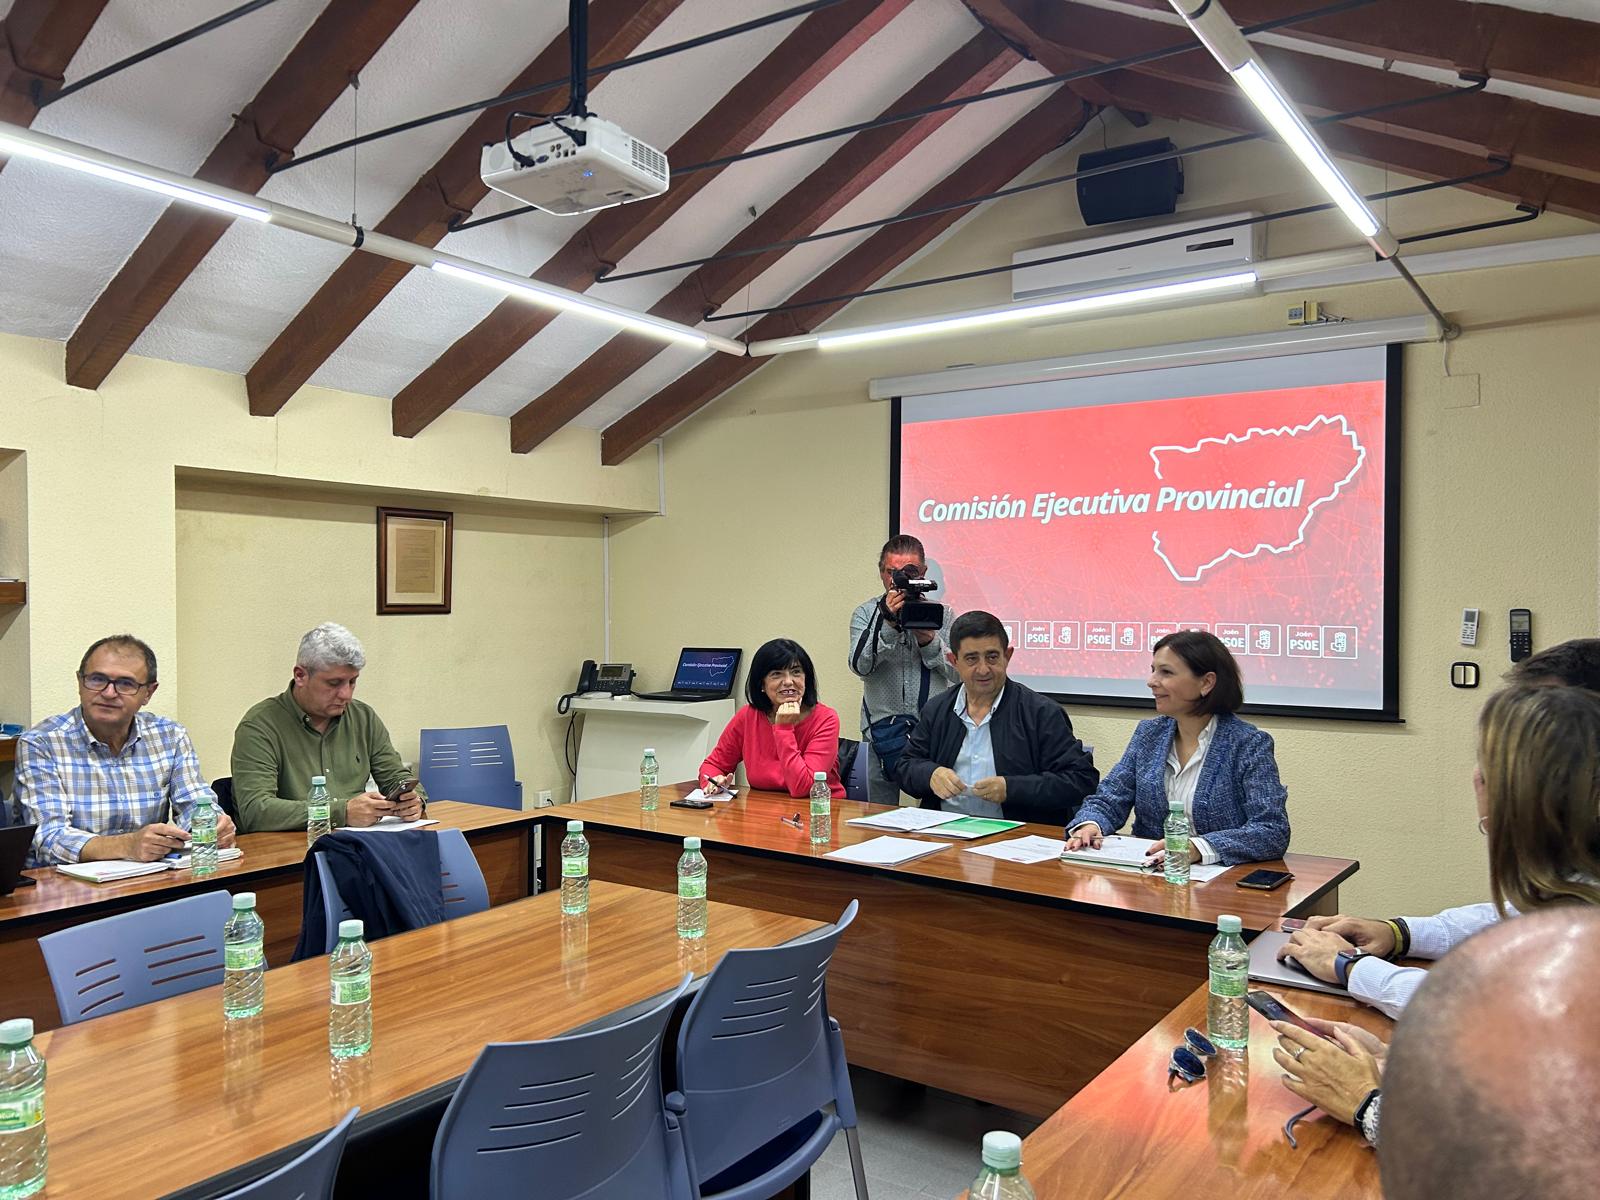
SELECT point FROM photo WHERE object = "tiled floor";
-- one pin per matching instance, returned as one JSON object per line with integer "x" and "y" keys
{"x": 916, "y": 1142}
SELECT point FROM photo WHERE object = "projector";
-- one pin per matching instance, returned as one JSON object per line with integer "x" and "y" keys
{"x": 611, "y": 168}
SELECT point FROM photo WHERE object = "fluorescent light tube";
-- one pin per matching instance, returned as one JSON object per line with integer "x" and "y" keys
{"x": 1289, "y": 125}
{"x": 1073, "y": 306}
{"x": 15, "y": 147}
{"x": 638, "y": 322}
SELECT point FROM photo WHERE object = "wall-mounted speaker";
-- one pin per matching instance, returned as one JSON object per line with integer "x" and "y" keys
{"x": 1150, "y": 190}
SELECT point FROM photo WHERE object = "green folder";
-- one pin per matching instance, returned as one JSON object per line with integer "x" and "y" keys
{"x": 971, "y": 827}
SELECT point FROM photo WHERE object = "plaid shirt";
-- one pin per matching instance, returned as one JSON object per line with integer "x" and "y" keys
{"x": 74, "y": 788}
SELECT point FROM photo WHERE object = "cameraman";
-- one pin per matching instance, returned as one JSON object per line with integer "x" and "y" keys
{"x": 899, "y": 668}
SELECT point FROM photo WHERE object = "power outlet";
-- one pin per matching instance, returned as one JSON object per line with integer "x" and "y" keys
{"x": 544, "y": 798}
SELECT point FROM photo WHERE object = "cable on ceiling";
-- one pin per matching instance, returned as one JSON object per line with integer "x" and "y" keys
{"x": 1068, "y": 77}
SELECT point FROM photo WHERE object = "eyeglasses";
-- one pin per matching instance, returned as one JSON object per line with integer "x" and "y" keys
{"x": 1188, "y": 1060}
{"x": 98, "y": 683}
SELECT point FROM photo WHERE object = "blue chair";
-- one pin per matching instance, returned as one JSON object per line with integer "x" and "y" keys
{"x": 138, "y": 957}
{"x": 307, "y": 1177}
{"x": 571, "y": 1116}
{"x": 758, "y": 1060}
{"x": 471, "y": 765}
{"x": 460, "y": 880}
{"x": 855, "y": 784}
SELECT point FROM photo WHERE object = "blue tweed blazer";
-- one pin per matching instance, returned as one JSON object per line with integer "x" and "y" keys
{"x": 1240, "y": 805}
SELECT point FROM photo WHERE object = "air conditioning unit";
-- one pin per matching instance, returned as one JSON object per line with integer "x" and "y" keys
{"x": 1219, "y": 251}
{"x": 612, "y": 167}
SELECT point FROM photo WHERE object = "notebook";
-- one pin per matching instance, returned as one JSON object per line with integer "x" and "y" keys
{"x": 110, "y": 870}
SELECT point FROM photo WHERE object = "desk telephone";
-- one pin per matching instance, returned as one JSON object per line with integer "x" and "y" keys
{"x": 615, "y": 679}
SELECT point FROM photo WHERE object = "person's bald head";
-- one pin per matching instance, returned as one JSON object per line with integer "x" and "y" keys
{"x": 1493, "y": 1079}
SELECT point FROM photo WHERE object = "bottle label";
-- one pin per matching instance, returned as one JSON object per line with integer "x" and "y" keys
{"x": 244, "y": 957}
{"x": 22, "y": 1112}
{"x": 574, "y": 866}
{"x": 1229, "y": 983}
{"x": 352, "y": 991}
{"x": 648, "y": 779}
{"x": 316, "y": 812}
{"x": 1178, "y": 844}
{"x": 692, "y": 889}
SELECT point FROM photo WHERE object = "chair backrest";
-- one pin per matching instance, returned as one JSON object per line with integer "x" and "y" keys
{"x": 309, "y": 1176}
{"x": 754, "y": 1053}
{"x": 571, "y": 1116}
{"x": 473, "y": 765}
{"x": 855, "y": 783}
{"x": 460, "y": 877}
{"x": 137, "y": 957}
{"x": 461, "y": 884}
{"x": 223, "y": 790}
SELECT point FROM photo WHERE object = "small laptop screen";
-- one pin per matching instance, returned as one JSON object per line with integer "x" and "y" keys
{"x": 705, "y": 671}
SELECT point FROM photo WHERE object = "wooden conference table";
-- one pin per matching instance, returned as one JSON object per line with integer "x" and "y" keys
{"x": 1008, "y": 983}
{"x": 171, "y": 1098}
{"x": 271, "y": 866}
{"x": 1127, "y": 1134}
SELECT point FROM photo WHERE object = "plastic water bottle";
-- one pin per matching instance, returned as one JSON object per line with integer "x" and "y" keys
{"x": 1001, "y": 1177}
{"x": 350, "y": 979}
{"x": 319, "y": 812}
{"x": 649, "y": 783}
{"x": 1227, "y": 1015}
{"x": 244, "y": 985}
{"x": 821, "y": 809}
{"x": 23, "y": 1150}
{"x": 203, "y": 837}
{"x": 574, "y": 870}
{"x": 692, "y": 890}
{"x": 1176, "y": 864}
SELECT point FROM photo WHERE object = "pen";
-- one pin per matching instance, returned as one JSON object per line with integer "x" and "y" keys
{"x": 794, "y": 820}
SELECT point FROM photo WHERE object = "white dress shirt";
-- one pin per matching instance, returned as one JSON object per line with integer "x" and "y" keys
{"x": 976, "y": 759}
{"x": 1182, "y": 779}
{"x": 1388, "y": 987}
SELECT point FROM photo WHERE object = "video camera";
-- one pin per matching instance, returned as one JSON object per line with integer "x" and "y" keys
{"x": 917, "y": 612}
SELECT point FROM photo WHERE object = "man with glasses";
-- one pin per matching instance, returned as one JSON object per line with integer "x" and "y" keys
{"x": 108, "y": 780}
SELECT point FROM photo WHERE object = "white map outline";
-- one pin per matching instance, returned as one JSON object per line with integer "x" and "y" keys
{"x": 1300, "y": 534}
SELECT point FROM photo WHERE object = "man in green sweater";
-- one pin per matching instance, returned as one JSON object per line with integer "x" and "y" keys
{"x": 318, "y": 727}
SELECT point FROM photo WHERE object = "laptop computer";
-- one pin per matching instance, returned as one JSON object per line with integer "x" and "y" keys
{"x": 14, "y": 843}
{"x": 704, "y": 673}
{"x": 1266, "y": 968}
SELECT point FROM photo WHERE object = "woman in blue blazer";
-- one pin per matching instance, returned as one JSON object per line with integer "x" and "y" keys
{"x": 1198, "y": 751}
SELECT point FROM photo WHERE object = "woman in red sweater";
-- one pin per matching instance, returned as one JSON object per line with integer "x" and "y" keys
{"x": 782, "y": 735}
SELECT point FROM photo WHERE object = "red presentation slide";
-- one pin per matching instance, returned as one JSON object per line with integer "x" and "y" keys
{"x": 1094, "y": 531}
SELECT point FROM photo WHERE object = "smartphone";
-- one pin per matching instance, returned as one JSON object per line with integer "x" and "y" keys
{"x": 1290, "y": 924}
{"x": 398, "y": 790}
{"x": 1265, "y": 881}
{"x": 1274, "y": 1009}
{"x": 691, "y": 804}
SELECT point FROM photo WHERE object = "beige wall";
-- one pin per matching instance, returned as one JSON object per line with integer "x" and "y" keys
{"x": 257, "y": 567}
{"x": 1500, "y": 507}
{"x": 223, "y": 597}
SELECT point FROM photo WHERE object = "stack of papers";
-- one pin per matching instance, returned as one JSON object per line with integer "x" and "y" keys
{"x": 387, "y": 825}
{"x": 1130, "y": 854}
{"x": 109, "y": 870}
{"x": 886, "y": 851}
{"x": 970, "y": 827}
{"x": 906, "y": 820}
{"x": 1030, "y": 849}
{"x": 721, "y": 797}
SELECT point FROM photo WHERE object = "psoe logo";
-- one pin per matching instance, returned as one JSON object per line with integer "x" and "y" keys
{"x": 1305, "y": 641}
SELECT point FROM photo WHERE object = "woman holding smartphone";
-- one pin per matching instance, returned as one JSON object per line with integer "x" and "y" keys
{"x": 1538, "y": 797}
{"x": 1196, "y": 750}
{"x": 783, "y": 735}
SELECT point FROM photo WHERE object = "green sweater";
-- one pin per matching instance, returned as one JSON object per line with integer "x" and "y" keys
{"x": 276, "y": 751}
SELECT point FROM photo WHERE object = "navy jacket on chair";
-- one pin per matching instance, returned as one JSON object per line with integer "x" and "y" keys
{"x": 1046, "y": 769}
{"x": 391, "y": 881}
{"x": 1240, "y": 805}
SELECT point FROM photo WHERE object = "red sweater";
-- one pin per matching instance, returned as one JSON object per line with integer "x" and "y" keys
{"x": 779, "y": 758}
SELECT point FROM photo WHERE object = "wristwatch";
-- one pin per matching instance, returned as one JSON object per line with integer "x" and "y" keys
{"x": 1366, "y": 1119}
{"x": 1343, "y": 961}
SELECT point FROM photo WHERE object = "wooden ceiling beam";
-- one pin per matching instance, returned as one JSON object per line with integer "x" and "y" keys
{"x": 311, "y": 77}
{"x": 1053, "y": 123}
{"x": 451, "y": 187}
{"x": 799, "y": 63}
{"x": 804, "y": 209}
{"x": 1558, "y": 53}
{"x": 37, "y": 40}
{"x": 1529, "y": 134}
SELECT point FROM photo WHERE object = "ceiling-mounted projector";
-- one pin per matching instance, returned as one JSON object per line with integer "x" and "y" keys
{"x": 558, "y": 176}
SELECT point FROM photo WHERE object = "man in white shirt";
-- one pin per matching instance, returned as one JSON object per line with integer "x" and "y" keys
{"x": 1354, "y": 951}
